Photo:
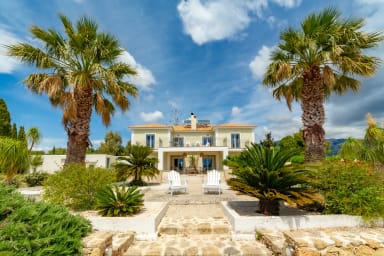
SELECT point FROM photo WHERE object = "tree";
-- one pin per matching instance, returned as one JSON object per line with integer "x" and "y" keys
{"x": 83, "y": 72}
{"x": 293, "y": 142}
{"x": 268, "y": 141}
{"x": 371, "y": 148}
{"x": 321, "y": 58}
{"x": 36, "y": 161}
{"x": 57, "y": 151}
{"x": 33, "y": 137}
{"x": 14, "y": 131}
{"x": 5, "y": 120}
{"x": 112, "y": 144}
{"x": 137, "y": 163}
{"x": 260, "y": 172}
{"x": 14, "y": 157}
{"x": 21, "y": 136}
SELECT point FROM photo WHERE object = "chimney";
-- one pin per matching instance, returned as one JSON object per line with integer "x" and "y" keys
{"x": 193, "y": 122}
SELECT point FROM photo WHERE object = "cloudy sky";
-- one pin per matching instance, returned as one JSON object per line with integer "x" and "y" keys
{"x": 201, "y": 56}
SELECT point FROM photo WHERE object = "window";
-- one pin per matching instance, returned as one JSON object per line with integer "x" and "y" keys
{"x": 150, "y": 140}
{"x": 207, "y": 141}
{"x": 235, "y": 140}
{"x": 178, "y": 141}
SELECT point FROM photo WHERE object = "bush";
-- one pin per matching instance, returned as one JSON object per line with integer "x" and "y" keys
{"x": 298, "y": 159}
{"x": 113, "y": 201}
{"x": 352, "y": 188}
{"x": 76, "y": 186}
{"x": 36, "y": 178}
{"x": 29, "y": 228}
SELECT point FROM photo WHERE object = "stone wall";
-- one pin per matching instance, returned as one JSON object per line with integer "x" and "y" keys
{"x": 103, "y": 243}
{"x": 325, "y": 242}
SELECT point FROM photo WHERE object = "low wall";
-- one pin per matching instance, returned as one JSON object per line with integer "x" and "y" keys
{"x": 244, "y": 227}
{"x": 143, "y": 224}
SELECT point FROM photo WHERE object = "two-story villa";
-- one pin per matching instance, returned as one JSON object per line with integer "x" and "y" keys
{"x": 195, "y": 145}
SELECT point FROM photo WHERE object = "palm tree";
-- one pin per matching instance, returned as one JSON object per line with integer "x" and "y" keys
{"x": 260, "y": 172}
{"x": 82, "y": 72}
{"x": 322, "y": 57}
{"x": 137, "y": 163}
{"x": 33, "y": 137}
{"x": 14, "y": 157}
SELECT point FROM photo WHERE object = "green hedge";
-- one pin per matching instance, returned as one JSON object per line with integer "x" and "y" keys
{"x": 354, "y": 188}
{"x": 29, "y": 228}
{"x": 76, "y": 186}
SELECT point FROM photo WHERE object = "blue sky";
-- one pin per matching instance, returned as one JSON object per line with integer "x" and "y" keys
{"x": 201, "y": 56}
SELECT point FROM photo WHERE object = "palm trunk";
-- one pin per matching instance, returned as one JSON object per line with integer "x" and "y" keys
{"x": 313, "y": 116}
{"x": 269, "y": 207}
{"x": 78, "y": 128}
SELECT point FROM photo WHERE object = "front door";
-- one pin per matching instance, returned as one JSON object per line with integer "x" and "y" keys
{"x": 207, "y": 163}
{"x": 178, "y": 164}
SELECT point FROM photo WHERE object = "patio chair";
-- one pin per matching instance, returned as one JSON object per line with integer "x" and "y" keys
{"x": 213, "y": 182}
{"x": 175, "y": 184}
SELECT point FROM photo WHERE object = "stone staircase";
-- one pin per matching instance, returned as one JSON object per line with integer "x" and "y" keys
{"x": 212, "y": 236}
{"x": 196, "y": 236}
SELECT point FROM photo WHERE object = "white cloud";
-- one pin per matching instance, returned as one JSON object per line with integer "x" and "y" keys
{"x": 7, "y": 64}
{"x": 151, "y": 117}
{"x": 212, "y": 20}
{"x": 288, "y": 3}
{"x": 235, "y": 111}
{"x": 217, "y": 19}
{"x": 144, "y": 78}
{"x": 259, "y": 64}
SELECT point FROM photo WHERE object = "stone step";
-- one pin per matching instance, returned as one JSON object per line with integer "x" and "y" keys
{"x": 194, "y": 226}
{"x": 121, "y": 242}
{"x": 197, "y": 245}
{"x": 100, "y": 243}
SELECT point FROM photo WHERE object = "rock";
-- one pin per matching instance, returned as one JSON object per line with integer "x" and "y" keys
{"x": 171, "y": 251}
{"x": 204, "y": 228}
{"x": 304, "y": 251}
{"x": 231, "y": 251}
{"x": 379, "y": 252}
{"x": 336, "y": 251}
{"x": 364, "y": 250}
{"x": 210, "y": 251}
{"x": 191, "y": 251}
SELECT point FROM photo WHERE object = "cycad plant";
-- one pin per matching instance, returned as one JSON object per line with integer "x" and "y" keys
{"x": 113, "y": 201}
{"x": 137, "y": 164}
{"x": 262, "y": 172}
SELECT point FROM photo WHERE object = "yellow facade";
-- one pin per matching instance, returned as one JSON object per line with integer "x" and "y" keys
{"x": 208, "y": 145}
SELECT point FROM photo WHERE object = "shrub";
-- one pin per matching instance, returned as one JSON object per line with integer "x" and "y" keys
{"x": 298, "y": 159}
{"x": 14, "y": 158}
{"x": 261, "y": 172}
{"x": 29, "y": 228}
{"x": 36, "y": 178}
{"x": 10, "y": 200}
{"x": 113, "y": 201}
{"x": 352, "y": 188}
{"x": 76, "y": 186}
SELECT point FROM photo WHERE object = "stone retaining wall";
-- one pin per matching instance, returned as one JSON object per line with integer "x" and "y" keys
{"x": 325, "y": 242}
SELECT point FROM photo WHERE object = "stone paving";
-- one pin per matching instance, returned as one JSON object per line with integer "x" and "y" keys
{"x": 194, "y": 224}
{"x": 196, "y": 235}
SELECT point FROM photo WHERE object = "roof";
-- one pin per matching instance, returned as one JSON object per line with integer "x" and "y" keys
{"x": 182, "y": 128}
{"x": 150, "y": 126}
{"x": 235, "y": 125}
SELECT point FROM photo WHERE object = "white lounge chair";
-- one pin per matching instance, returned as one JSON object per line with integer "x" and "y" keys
{"x": 175, "y": 184}
{"x": 213, "y": 182}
